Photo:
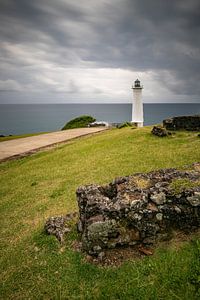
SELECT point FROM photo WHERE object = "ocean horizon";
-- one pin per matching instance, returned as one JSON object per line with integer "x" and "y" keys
{"x": 30, "y": 118}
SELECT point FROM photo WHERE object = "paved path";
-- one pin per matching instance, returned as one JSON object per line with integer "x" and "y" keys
{"x": 28, "y": 145}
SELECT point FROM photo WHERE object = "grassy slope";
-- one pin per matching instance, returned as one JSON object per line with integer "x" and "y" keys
{"x": 13, "y": 137}
{"x": 31, "y": 189}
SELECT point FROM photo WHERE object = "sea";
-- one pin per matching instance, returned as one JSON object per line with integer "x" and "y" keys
{"x": 16, "y": 119}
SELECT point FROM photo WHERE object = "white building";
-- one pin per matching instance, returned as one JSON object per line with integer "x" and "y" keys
{"x": 137, "y": 106}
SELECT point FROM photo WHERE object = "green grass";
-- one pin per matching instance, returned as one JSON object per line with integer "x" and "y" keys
{"x": 181, "y": 184}
{"x": 35, "y": 266}
{"x": 13, "y": 137}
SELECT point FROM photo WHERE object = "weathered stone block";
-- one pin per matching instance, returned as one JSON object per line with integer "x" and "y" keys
{"x": 141, "y": 208}
{"x": 159, "y": 131}
{"x": 183, "y": 122}
{"x": 59, "y": 225}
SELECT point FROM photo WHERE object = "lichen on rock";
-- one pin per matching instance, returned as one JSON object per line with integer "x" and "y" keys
{"x": 59, "y": 226}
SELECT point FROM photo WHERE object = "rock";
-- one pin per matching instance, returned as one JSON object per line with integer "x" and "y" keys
{"x": 177, "y": 209}
{"x": 195, "y": 199}
{"x": 101, "y": 255}
{"x": 145, "y": 251}
{"x": 159, "y": 216}
{"x": 159, "y": 198}
{"x": 183, "y": 122}
{"x": 152, "y": 206}
{"x": 139, "y": 209}
{"x": 159, "y": 131}
{"x": 79, "y": 226}
{"x": 97, "y": 249}
{"x": 58, "y": 226}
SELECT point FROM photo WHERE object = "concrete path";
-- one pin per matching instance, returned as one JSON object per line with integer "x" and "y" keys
{"x": 24, "y": 146}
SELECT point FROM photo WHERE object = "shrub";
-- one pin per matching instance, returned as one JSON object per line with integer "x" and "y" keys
{"x": 79, "y": 122}
{"x": 126, "y": 124}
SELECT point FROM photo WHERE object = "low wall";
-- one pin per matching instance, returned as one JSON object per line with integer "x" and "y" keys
{"x": 141, "y": 208}
{"x": 183, "y": 122}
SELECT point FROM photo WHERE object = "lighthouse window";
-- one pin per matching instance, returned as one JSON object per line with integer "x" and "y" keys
{"x": 137, "y": 83}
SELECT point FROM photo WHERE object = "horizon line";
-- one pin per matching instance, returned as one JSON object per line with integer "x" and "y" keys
{"x": 20, "y": 103}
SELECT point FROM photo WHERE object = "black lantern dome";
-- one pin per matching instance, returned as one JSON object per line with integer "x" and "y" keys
{"x": 137, "y": 83}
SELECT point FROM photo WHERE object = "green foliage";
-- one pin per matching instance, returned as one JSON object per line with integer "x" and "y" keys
{"x": 79, "y": 122}
{"x": 181, "y": 184}
{"x": 126, "y": 124}
{"x": 35, "y": 266}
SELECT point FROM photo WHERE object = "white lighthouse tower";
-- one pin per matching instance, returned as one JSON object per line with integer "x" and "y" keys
{"x": 137, "y": 106}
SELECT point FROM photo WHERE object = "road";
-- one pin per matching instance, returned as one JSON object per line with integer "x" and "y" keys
{"x": 24, "y": 146}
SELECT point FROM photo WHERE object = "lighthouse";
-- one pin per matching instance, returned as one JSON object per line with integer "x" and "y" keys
{"x": 137, "y": 106}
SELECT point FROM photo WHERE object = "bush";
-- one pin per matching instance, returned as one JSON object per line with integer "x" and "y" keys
{"x": 79, "y": 122}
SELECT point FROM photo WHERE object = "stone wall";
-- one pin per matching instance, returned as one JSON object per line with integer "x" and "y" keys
{"x": 183, "y": 122}
{"x": 138, "y": 209}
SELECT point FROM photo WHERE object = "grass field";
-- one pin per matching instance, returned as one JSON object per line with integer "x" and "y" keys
{"x": 34, "y": 266}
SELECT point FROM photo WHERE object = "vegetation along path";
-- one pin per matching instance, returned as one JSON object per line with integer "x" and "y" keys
{"x": 24, "y": 146}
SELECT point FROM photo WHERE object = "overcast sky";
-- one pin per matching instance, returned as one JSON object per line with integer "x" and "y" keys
{"x": 64, "y": 51}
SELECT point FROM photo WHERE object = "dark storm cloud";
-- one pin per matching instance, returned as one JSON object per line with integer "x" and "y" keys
{"x": 139, "y": 35}
{"x": 174, "y": 28}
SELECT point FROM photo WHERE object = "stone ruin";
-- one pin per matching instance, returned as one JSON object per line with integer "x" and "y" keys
{"x": 190, "y": 123}
{"x": 139, "y": 209}
{"x": 160, "y": 131}
{"x": 183, "y": 122}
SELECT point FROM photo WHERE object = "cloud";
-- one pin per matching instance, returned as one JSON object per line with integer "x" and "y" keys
{"x": 10, "y": 85}
{"x": 99, "y": 47}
